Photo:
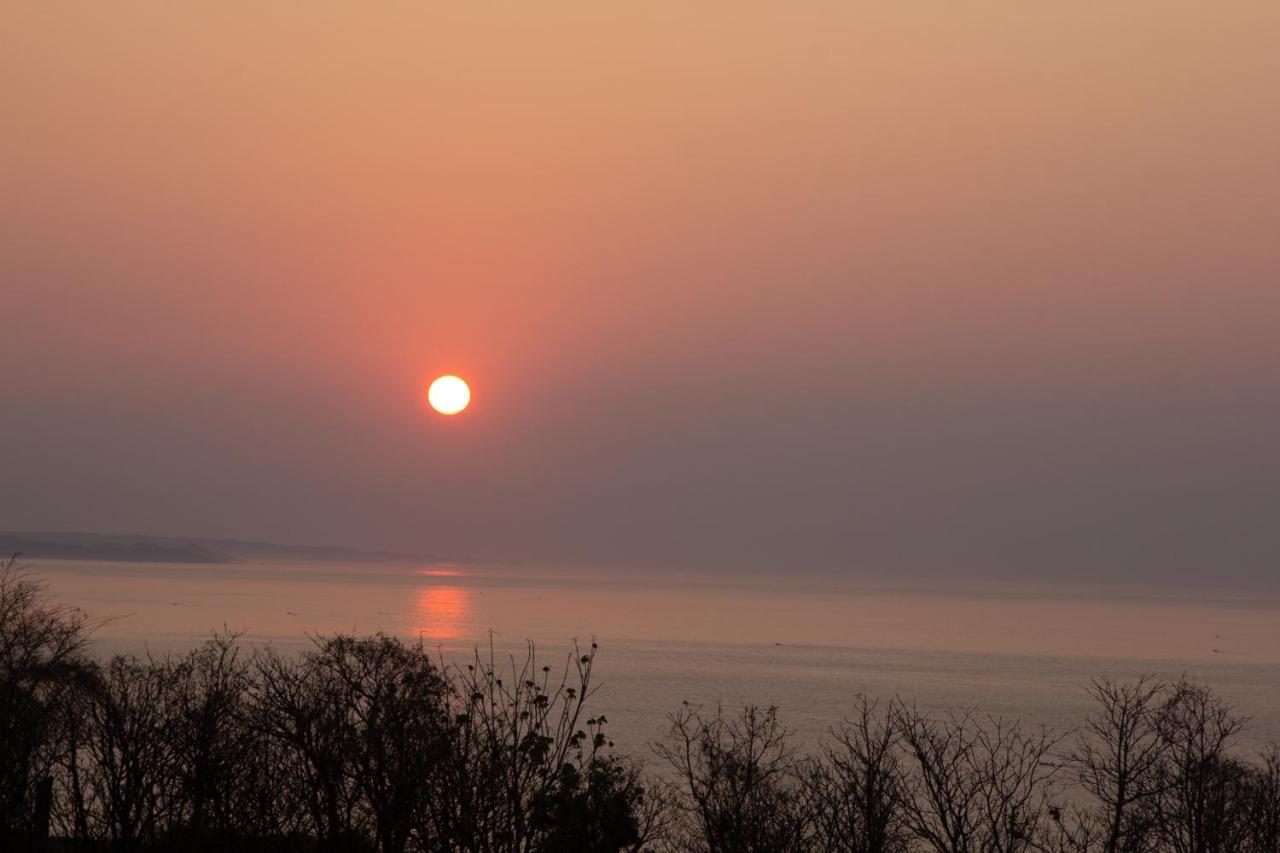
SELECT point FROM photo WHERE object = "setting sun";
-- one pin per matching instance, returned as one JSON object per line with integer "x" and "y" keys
{"x": 448, "y": 395}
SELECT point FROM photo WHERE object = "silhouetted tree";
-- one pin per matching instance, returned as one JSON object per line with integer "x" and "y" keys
{"x": 976, "y": 786}
{"x": 129, "y": 774}
{"x": 41, "y": 662}
{"x": 1117, "y": 758}
{"x": 1199, "y": 795}
{"x": 526, "y": 771}
{"x": 593, "y": 806}
{"x": 740, "y": 782}
{"x": 294, "y": 704}
{"x": 211, "y": 746}
{"x": 396, "y": 723}
{"x": 856, "y": 788}
{"x": 1261, "y": 808}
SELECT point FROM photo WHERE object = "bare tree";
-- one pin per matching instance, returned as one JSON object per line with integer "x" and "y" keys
{"x": 978, "y": 786}
{"x": 1198, "y": 799}
{"x": 1261, "y": 808}
{"x": 527, "y": 770}
{"x": 129, "y": 779}
{"x": 210, "y": 686}
{"x": 740, "y": 782}
{"x": 42, "y": 659}
{"x": 1117, "y": 759}
{"x": 396, "y": 725}
{"x": 857, "y": 786}
{"x": 304, "y": 713}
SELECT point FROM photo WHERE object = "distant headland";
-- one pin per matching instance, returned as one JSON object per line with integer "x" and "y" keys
{"x": 137, "y": 548}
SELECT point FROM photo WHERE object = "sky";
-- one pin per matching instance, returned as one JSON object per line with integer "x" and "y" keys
{"x": 918, "y": 288}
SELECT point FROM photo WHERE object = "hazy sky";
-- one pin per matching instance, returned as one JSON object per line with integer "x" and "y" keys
{"x": 961, "y": 288}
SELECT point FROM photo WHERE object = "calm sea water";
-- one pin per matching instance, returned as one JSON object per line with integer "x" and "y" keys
{"x": 808, "y": 646}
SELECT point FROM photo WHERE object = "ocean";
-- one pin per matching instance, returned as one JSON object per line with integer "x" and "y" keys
{"x": 807, "y": 645}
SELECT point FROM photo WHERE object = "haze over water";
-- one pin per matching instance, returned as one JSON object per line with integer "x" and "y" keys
{"x": 806, "y": 644}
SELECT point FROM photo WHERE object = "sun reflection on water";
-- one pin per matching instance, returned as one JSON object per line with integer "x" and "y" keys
{"x": 442, "y": 612}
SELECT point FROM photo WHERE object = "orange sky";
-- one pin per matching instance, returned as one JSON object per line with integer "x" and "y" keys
{"x": 830, "y": 275}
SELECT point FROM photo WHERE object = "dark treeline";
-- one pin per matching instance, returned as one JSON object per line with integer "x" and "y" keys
{"x": 371, "y": 744}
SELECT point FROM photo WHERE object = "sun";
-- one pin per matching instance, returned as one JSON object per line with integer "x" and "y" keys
{"x": 448, "y": 395}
